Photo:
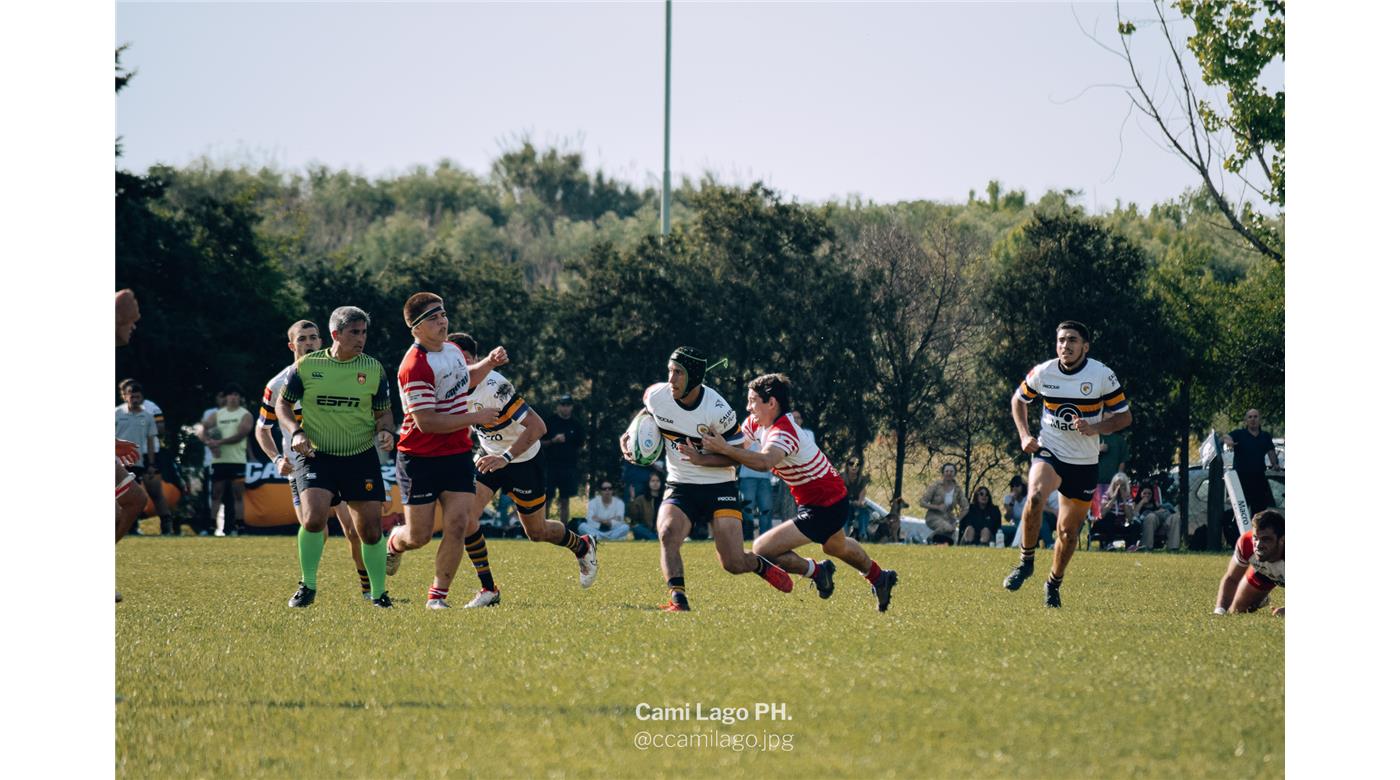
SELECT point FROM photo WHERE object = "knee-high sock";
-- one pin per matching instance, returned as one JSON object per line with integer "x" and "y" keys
{"x": 374, "y": 555}
{"x": 309, "y": 547}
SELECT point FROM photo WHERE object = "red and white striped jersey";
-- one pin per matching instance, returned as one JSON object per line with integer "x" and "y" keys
{"x": 434, "y": 382}
{"x": 1262, "y": 574}
{"x": 805, "y": 468}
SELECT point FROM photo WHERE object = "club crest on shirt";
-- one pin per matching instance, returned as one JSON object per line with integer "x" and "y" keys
{"x": 704, "y": 430}
{"x": 361, "y": 377}
{"x": 1086, "y": 388}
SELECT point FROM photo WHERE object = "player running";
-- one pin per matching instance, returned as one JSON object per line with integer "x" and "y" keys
{"x": 792, "y": 453}
{"x": 1256, "y": 567}
{"x": 345, "y": 414}
{"x": 1077, "y": 391}
{"x": 509, "y": 443}
{"x": 698, "y": 484}
{"x": 303, "y": 338}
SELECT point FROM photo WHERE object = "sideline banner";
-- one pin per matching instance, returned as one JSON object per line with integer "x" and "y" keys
{"x": 267, "y": 497}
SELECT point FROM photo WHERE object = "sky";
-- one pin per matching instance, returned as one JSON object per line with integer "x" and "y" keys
{"x": 889, "y": 102}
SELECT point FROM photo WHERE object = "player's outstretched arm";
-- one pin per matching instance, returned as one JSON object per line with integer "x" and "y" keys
{"x": 1229, "y": 585}
{"x": 763, "y": 460}
{"x": 1020, "y": 415}
{"x": 692, "y": 454}
{"x": 476, "y": 372}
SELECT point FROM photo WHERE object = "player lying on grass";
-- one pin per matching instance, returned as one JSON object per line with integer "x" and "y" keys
{"x": 702, "y": 484}
{"x": 1256, "y": 567}
{"x": 792, "y": 453}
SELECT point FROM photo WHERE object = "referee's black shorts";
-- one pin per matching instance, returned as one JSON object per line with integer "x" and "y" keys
{"x": 348, "y": 477}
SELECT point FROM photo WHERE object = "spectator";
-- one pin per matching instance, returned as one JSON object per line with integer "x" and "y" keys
{"x": 136, "y": 424}
{"x": 1252, "y": 444}
{"x": 642, "y": 510}
{"x": 945, "y": 502}
{"x": 1118, "y": 522}
{"x": 606, "y": 516}
{"x": 165, "y": 471}
{"x": 982, "y": 519}
{"x": 858, "y": 514}
{"x": 1012, "y": 505}
{"x": 563, "y": 437}
{"x": 1154, "y": 516}
{"x": 756, "y": 490}
{"x": 211, "y": 513}
{"x": 1113, "y": 458}
{"x": 230, "y": 448}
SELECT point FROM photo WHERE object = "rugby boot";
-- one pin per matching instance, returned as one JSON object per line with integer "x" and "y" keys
{"x": 303, "y": 597}
{"x": 824, "y": 579}
{"x": 1019, "y": 574}
{"x": 588, "y": 562}
{"x": 484, "y": 598}
{"x": 882, "y": 587}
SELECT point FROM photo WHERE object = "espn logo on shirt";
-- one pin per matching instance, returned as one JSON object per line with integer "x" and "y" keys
{"x": 338, "y": 400}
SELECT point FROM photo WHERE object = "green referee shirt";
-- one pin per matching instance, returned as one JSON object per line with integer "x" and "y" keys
{"x": 339, "y": 400}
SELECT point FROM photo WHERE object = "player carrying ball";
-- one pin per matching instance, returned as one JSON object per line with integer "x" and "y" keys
{"x": 791, "y": 452}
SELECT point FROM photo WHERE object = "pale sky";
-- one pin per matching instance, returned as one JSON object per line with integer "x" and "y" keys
{"x": 820, "y": 100}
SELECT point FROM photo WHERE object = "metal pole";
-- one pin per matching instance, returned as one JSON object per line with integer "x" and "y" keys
{"x": 666, "y": 163}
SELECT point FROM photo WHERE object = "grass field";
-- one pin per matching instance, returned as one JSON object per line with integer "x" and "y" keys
{"x": 216, "y": 677}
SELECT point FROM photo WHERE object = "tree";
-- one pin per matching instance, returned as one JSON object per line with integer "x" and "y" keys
{"x": 920, "y": 321}
{"x": 1234, "y": 41}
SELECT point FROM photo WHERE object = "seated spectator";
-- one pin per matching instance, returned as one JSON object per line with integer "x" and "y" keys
{"x": 982, "y": 519}
{"x": 1118, "y": 521}
{"x": 1156, "y": 517}
{"x": 944, "y": 502}
{"x": 606, "y": 518}
{"x": 857, "y": 513}
{"x": 642, "y": 511}
{"x": 1012, "y": 505}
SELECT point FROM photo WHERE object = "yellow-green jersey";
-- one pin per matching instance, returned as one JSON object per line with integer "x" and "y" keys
{"x": 339, "y": 400}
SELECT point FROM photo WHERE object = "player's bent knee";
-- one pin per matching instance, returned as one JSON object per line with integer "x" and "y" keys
{"x": 835, "y": 545}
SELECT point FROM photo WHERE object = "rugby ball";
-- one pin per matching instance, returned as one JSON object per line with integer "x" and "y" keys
{"x": 644, "y": 438}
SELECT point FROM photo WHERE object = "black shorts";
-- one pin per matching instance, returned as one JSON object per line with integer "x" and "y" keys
{"x": 1077, "y": 480}
{"x": 524, "y": 480}
{"x": 223, "y": 471}
{"x": 348, "y": 477}
{"x": 297, "y": 460}
{"x": 423, "y": 479}
{"x": 702, "y": 502}
{"x": 818, "y": 523}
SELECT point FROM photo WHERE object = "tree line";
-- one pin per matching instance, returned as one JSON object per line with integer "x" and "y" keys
{"x": 904, "y": 326}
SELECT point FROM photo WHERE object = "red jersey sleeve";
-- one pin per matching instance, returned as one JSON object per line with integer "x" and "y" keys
{"x": 416, "y": 388}
{"x": 782, "y": 436}
{"x": 1244, "y": 548}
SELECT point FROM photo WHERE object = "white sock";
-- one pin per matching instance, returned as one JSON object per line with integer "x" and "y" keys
{"x": 811, "y": 568}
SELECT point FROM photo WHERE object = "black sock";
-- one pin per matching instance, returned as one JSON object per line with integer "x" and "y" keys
{"x": 677, "y": 586}
{"x": 574, "y": 542}
{"x": 476, "y": 550}
{"x": 1054, "y": 581}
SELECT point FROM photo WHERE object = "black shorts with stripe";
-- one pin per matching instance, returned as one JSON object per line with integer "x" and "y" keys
{"x": 818, "y": 523}
{"x": 702, "y": 502}
{"x": 347, "y": 477}
{"x": 524, "y": 480}
{"x": 423, "y": 479}
{"x": 1077, "y": 480}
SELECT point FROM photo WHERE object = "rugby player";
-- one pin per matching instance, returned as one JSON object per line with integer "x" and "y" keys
{"x": 1078, "y": 393}
{"x": 303, "y": 338}
{"x": 345, "y": 414}
{"x": 509, "y": 443}
{"x": 434, "y": 459}
{"x": 131, "y": 497}
{"x": 698, "y": 484}
{"x": 1256, "y": 567}
{"x": 792, "y": 453}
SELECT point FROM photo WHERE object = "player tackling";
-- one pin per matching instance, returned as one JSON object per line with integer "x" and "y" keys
{"x": 791, "y": 452}
{"x": 1078, "y": 393}
{"x": 698, "y": 484}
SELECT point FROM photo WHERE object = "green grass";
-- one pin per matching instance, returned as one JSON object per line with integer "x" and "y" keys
{"x": 216, "y": 677}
